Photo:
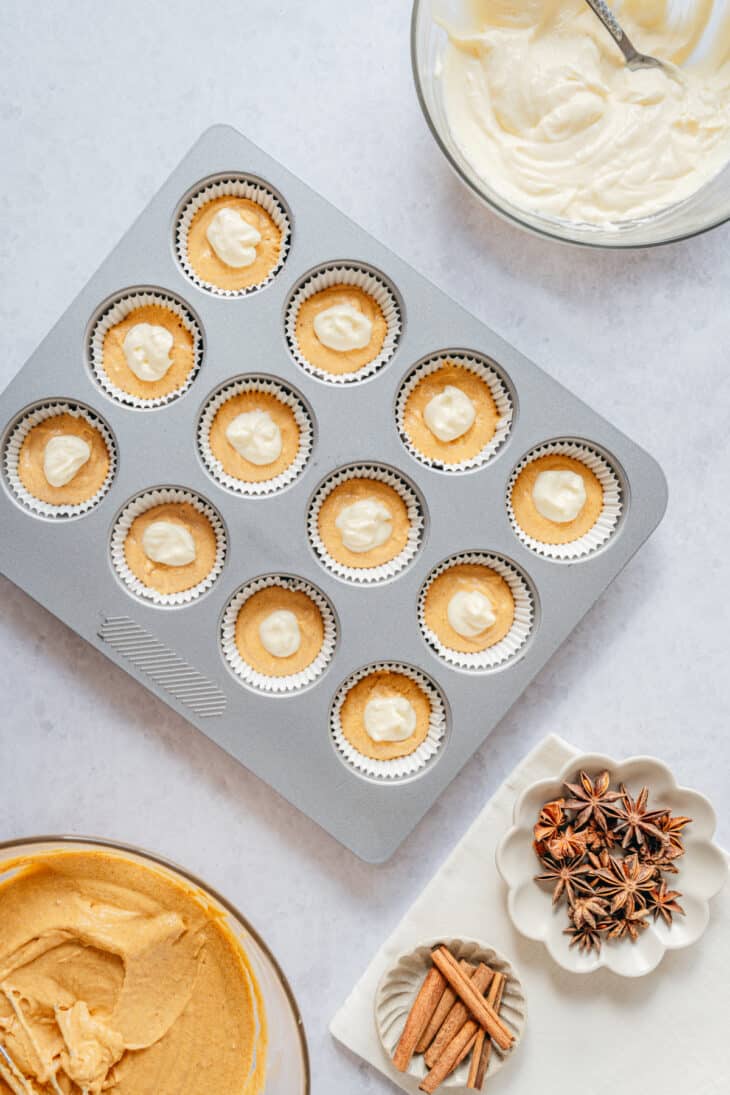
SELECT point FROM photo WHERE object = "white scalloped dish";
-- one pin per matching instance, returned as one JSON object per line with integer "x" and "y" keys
{"x": 702, "y": 870}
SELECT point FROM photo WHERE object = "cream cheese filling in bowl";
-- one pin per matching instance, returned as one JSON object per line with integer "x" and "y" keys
{"x": 536, "y": 110}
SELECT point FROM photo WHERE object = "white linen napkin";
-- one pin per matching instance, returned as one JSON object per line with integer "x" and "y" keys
{"x": 595, "y": 1034}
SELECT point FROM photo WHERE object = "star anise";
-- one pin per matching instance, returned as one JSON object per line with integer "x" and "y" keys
{"x": 567, "y": 845}
{"x": 671, "y": 827}
{"x": 549, "y": 824}
{"x": 599, "y": 861}
{"x": 627, "y": 882}
{"x": 584, "y": 937}
{"x": 662, "y": 902}
{"x": 567, "y": 876}
{"x": 661, "y": 859}
{"x": 588, "y": 910}
{"x": 630, "y": 925}
{"x": 593, "y": 800}
{"x": 596, "y": 838}
{"x": 633, "y": 822}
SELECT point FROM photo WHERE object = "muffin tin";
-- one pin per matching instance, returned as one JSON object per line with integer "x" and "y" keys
{"x": 176, "y": 650}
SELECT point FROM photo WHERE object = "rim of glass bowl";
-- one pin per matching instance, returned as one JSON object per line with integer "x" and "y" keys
{"x": 417, "y": 12}
{"x": 168, "y": 864}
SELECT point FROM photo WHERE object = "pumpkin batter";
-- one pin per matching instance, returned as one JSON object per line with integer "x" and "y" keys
{"x": 479, "y": 434}
{"x": 260, "y": 606}
{"x": 359, "y": 490}
{"x": 542, "y": 528}
{"x": 322, "y": 357}
{"x": 232, "y": 461}
{"x": 383, "y": 683}
{"x": 182, "y": 354}
{"x": 114, "y": 977}
{"x": 172, "y": 579}
{"x": 90, "y": 477}
{"x": 212, "y": 269}
{"x": 467, "y": 577}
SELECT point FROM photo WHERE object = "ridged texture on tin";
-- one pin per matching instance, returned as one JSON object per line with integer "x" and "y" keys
{"x": 362, "y": 278}
{"x": 261, "y": 682}
{"x": 285, "y": 395}
{"x": 116, "y": 311}
{"x": 234, "y": 186}
{"x": 368, "y": 575}
{"x": 399, "y": 985}
{"x": 20, "y": 431}
{"x": 608, "y": 519}
{"x": 163, "y": 666}
{"x": 474, "y": 363}
{"x": 511, "y": 645}
{"x": 400, "y": 767}
{"x": 140, "y": 504}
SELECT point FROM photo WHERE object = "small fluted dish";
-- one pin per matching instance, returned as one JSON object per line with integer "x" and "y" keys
{"x": 400, "y": 983}
{"x": 703, "y": 869}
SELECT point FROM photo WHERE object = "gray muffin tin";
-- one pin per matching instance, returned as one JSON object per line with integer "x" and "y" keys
{"x": 175, "y": 652}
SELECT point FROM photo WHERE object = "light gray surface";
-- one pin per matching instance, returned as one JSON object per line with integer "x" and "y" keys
{"x": 95, "y": 110}
{"x": 353, "y": 423}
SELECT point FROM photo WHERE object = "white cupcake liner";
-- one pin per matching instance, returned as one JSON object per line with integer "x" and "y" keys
{"x": 374, "y": 285}
{"x": 158, "y": 496}
{"x": 500, "y": 394}
{"x": 285, "y": 395}
{"x": 262, "y": 682}
{"x": 117, "y": 310}
{"x": 508, "y": 648}
{"x": 401, "y": 767}
{"x": 234, "y": 186}
{"x": 385, "y": 571}
{"x": 608, "y": 518}
{"x": 14, "y": 443}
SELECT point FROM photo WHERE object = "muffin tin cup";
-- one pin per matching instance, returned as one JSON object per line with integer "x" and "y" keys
{"x": 401, "y": 767}
{"x": 234, "y": 186}
{"x": 140, "y": 504}
{"x": 14, "y": 444}
{"x": 514, "y": 642}
{"x": 480, "y": 367}
{"x": 262, "y": 682}
{"x": 416, "y": 517}
{"x": 117, "y": 310}
{"x": 302, "y": 417}
{"x": 608, "y": 519}
{"x": 370, "y": 282}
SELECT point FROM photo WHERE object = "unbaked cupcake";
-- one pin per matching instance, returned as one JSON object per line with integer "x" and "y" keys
{"x": 556, "y": 498}
{"x": 279, "y": 631}
{"x": 233, "y": 243}
{"x": 63, "y": 460}
{"x": 448, "y": 413}
{"x": 469, "y": 607}
{"x": 171, "y": 547}
{"x": 385, "y": 715}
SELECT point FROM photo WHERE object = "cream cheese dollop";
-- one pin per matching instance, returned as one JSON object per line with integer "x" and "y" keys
{"x": 542, "y": 105}
{"x": 389, "y": 718}
{"x": 364, "y": 525}
{"x": 232, "y": 238}
{"x": 449, "y": 414}
{"x": 280, "y": 634}
{"x": 470, "y": 612}
{"x": 62, "y": 458}
{"x": 256, "y": 437}
{"x": 559, "y": 495}
{"x": 169, "y": 543}
{"x": 343, "y": 327}
{"x": 147, "y": 349}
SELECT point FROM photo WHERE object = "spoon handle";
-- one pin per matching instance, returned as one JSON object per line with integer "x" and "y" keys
{"x": 608, "y": 19}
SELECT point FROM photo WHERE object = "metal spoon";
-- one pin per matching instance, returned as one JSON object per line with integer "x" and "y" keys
{"x": 634, "y": 59}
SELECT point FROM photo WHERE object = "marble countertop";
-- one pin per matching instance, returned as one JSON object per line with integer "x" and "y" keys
{"x": 96, "y": 107}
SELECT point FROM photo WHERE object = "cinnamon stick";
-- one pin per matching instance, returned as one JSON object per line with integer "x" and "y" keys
{"x": 445, "y": 1004}
{"x": 456, "y": 1018}
{"x": 475, "y": 1065}
{"x": 483, "y": 1013}
{"x": 423, "y": 1008}
{"x": 480, "y": 1061}
{"x": 452, "y": 1057}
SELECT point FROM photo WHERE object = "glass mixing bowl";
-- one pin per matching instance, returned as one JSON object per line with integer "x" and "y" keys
{"x": 706, "y": 209}
{"x": 287, "y": 1071}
